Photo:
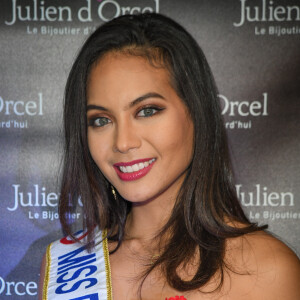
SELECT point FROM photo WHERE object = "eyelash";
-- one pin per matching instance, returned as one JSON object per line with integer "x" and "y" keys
{"x": 92, "y": 121}
{"x": 156, "y": 108}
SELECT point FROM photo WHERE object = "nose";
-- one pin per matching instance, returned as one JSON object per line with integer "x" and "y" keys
{"x": 126, "y": 138}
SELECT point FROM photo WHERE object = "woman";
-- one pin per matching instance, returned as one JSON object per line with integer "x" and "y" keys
{"x": 146, "y": 152}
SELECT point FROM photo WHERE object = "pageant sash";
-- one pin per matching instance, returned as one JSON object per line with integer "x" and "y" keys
{"x": 72, "y": 273}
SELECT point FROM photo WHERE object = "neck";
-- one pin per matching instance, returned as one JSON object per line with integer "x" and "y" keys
{"x": 146, "y": 219}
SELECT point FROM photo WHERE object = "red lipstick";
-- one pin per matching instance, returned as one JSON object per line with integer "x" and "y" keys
{"x": 130, "y": 176}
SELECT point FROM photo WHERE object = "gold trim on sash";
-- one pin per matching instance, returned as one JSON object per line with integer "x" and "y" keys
{"x": 107, "y": 265}
{"x": 47, "y": 273}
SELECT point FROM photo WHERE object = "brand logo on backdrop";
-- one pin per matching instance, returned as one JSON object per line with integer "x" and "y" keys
{"x": 39, "y": 203}
{"x": 243, "y": 109}
{"x": 19, "y": 288}
{"x": 275, "y": 204}
{"x": 105, "y": 10}
{"x": 17, "y": 112}
{"x": 261, "y": 196}
{"x": 268, "y": 17}
{"x": 118, "y": 10}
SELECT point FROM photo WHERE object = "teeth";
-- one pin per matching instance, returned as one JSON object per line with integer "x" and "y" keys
{"x": 123, "y": 169}
{"x": 136, "y": 167}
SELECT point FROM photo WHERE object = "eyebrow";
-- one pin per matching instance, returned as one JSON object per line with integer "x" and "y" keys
{"x": 131, "y": 104}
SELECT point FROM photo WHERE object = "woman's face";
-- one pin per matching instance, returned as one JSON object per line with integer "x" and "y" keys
{"x": 140, "y": 134}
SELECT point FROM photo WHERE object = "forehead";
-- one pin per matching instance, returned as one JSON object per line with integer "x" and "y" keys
{"x": 128, "y": 62}
{"x": 124, "y": 74}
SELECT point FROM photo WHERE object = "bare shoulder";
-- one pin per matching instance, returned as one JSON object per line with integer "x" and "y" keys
{"x": 42, "y": 277}
{"x": 273, "y": 269}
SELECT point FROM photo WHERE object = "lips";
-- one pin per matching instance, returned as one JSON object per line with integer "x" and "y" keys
{"x": 128, "y": 171}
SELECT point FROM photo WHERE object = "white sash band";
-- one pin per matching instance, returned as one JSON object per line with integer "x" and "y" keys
{"x": 72, "y": 273}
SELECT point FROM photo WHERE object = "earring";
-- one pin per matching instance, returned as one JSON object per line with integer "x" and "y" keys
{"x": 114, "y": 192}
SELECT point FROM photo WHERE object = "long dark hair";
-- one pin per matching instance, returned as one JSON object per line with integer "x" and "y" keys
{"x": 207, "y": 206}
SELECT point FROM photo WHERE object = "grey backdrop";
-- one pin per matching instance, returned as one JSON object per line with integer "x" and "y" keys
{"x": 253, "y": 49}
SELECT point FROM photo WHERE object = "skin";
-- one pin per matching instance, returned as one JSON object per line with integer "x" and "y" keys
{"x": 156, "y": 127}
{"x": 165, "y": 134}
{"x": 122, "y": 129}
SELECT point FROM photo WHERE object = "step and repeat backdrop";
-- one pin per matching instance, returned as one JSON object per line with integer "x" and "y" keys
{"x": 253, "y": 47}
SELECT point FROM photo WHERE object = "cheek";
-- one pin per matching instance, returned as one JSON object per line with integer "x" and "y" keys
{"x": 179, "y": 135}
{"x": 98, "y": 150}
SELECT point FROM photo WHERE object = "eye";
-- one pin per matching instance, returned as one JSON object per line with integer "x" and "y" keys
{"x": 148, "y": 112}
{"x": 99, "y": 122}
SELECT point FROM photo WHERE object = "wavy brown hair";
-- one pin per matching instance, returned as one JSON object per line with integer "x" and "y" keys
{"x": 207, "y": 202}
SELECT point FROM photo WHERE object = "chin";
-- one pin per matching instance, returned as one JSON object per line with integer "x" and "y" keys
{"x": 137, "y": 198}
